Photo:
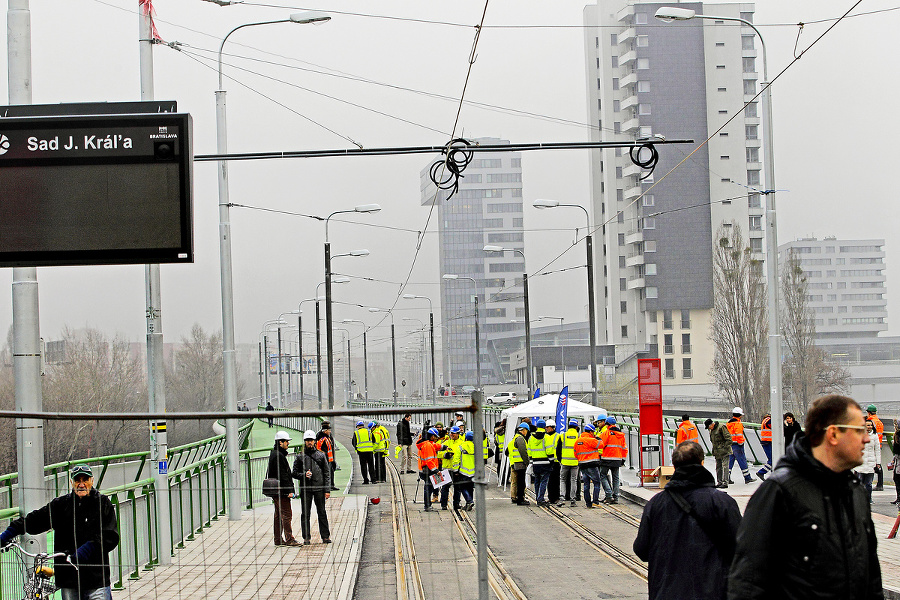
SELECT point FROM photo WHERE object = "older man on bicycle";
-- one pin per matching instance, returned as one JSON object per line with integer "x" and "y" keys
{"x": 85, "y": 528}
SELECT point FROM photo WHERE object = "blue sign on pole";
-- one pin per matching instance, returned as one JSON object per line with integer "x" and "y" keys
{"x": 163, "y": 467}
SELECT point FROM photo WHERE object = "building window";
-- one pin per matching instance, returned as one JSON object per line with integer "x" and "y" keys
{"x": 685, "y": 343}
{"x": 667, "y": 319}
{"x": 670, "y": 368}
{"x": 753, "y": 201}
{"x": 615, "y": 61}
{"x": 621, "y": 239}
{"x": 751, "y": 111}
{"x": 640, "y": 18}
{"x": 752, "y": 132}
{"x": 643, "y": 86}
{"x": 623, "y": 284}
{"x": 515, "y": 163}
{"x": 620, "y": 195}
{"x": 650, "y": 269}
{"x": 724, "y": 157}
{"x": 651, "y": 292}
{"x": 624, "y": 331}
{"x": 643, "y": 109}
{"x": 615, "y": 83}
{"x": 648, "y": 200}
{"x": 643, "y": 63}
{"x": 752, "y": 155}
{"x": 749, "y": 64}
{"x": 623, "y": 307}
{"x": 749, "y": 87}
{"x": 756, "y": 245}
{"x": 649, "y": 245}
{"x": 643, "y": 41}
{"x": 720, "y": 66}
{"x": 618, "y": 172}
{"x": 668, "y": 344}
{"x": 755, "y": 223}
{"x": 649, "y": 223}
{"x": 747, "y": 16}
{"x": 752, "y": 177}
{"x": 617, "y": 127}
{"x": 621, "y": 262}
{"x": 720, "y": 44}
{"x": 687, "y": 372}
{"x": 645, "y": 132}
{"x": 685, "y": 319}
{"x": 722, "y": 89}
{"x": 746, "y": 42}
{"x": 613, "y": 40}
{"x": 616, "y": 106}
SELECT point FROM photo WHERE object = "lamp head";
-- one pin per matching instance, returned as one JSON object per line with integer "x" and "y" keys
{"x": 449, "y": 276}
{"x": 490, "y": 248}
{"x": 374, "y": 310}
{"x": 310, "y": 17}
{"x": 409, "y": 296}
{"x": 667, "y": 14}
{"x": 539, "y": 203}
{"x": 338, "y": 280}
{"x": 359, "y": 252}
{"x": 367, "y": 208}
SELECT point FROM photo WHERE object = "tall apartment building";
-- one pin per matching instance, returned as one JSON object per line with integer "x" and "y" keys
{"x": 683, "y": 80}
{"x": 487, "y": 209}
{"x": 847, "y": 286}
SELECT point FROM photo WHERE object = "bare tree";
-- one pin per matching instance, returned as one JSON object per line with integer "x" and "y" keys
{"x": 739, "y": 323}
{"x": 98, "y": 374}
{"x": 807, "y": 373}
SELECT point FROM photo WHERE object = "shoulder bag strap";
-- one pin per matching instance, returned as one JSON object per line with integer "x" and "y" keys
{"x": 684, "y": 505}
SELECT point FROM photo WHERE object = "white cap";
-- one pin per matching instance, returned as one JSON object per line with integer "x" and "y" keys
{"x": 282, "y": 435}
{"x": 309, "y": 435}
{"x": 737, "y": 411}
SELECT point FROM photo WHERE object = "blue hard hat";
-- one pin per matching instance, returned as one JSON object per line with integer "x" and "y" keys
{"x": 610, "y": 420}
{"x": 433, "y": 431}
{"x": 455, "y": 429}
{"x": 573, "y": 423}
{"x": 524, "y": 425}
{"x": 470, "y": 435}
{"x": 359, "y": 423}
{"x": 541, "y": 423}
{"x": 589, "y": 427}
{"x": 372, "y": 424}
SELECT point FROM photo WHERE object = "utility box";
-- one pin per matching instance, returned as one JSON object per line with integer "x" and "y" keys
{"x": 663, "y": 475}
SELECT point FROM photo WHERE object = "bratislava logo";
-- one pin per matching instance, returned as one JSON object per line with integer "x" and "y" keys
{"x": 4, "y": 144}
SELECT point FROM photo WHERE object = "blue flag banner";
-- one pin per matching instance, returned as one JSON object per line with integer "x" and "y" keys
{"x": 562, "y": 409}
{"x": 537, "y": 394}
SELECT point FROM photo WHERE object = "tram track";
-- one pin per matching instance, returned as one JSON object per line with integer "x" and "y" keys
{"x": 499, "y": 579}
{"x": 409, "y": 578}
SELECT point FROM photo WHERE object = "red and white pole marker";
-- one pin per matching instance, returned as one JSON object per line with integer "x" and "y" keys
{"x": 893, "y": 532}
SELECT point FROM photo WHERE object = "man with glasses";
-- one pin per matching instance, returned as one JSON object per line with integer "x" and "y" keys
{"x": 85, "y": 528}
{"x": 807, "y": 531}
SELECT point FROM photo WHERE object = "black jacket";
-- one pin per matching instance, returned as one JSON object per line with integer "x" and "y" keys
{"x": 790, "y": 431}
{"x": 315, "y": 461}
{"x": 685, "y": 562}
{"x": 75, "y": 522}
{"x": 807, "y": 533}
{"x": 404, "y": 435}
{"x": 280, "y": 469}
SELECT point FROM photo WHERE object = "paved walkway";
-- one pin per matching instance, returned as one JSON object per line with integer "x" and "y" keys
{"x": 888, "y": 550}
{"x": 236, "y": 560}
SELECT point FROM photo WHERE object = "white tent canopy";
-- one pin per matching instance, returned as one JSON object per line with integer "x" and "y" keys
{"x": 544, "y": 408}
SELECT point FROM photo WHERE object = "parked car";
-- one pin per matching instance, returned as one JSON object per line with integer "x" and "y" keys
{"x": 502, "y": 398}
{"x": 467, "y": 390}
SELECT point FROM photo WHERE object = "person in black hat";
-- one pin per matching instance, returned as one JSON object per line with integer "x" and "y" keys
{"x": 84, "y": 527}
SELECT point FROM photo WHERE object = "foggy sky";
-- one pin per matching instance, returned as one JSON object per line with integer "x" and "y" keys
{"x": 834, "y": 143}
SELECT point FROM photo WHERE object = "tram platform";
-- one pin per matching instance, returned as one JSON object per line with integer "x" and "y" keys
{"x": 888, "y": 550}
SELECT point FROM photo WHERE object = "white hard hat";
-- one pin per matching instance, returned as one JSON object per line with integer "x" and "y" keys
{"x": 309, "y": 435}
{"x": 737, "y": 411}
{"x": 282, "y": 435}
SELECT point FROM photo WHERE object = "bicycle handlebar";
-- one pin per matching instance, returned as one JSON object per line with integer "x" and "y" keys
{"x": 43, "y": 555}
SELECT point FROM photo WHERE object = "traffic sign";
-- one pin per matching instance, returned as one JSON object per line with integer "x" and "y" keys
{"x": 649, "y": 448}
{"x": 163, "y": 467}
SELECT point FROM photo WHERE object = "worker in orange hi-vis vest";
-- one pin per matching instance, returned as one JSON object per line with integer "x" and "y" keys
{"x": 765, "y": 439}
{"x": 736, "y": 428}
{"x": 687, "y": 431}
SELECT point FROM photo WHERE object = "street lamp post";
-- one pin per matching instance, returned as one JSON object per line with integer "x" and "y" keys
{"x": 365, "y": 356}
{"x": 319, "y": 299}
{"x": 452, "y": 277}
{"x": 225, "y": 267}
{"x": 280, "y": 360}
{"x": 528, "y": 361}
{"x": 329, "y": 337}
{"x": 265, "y": 349}
{"x": 592, "y": 308}
{"x": 430, "y": 336}
{"x": 393, "y": 347}
{"x": 424, "y": 352}
{"x": 669, "y": 14}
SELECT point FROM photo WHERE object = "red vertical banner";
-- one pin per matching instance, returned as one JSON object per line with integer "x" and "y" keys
{"x": 650, "y": 396}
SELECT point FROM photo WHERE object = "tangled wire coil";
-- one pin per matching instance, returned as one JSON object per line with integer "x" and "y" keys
{"x": 445, "y": 173}
{"x": 648, "y": 163}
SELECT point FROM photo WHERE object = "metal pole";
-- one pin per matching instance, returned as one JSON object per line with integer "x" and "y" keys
{"x": 477, "y": 342}
{"x": 365, "y": 366}
{"x": 394, "y": 357}
{"x": 25, "y": 305}
{"x": 318, "y": 355}
{"x": 279, "y": 369}
{"x": 528, "y": 337}
{"x": 349, "y": 376}
{"x": 156, "y": 384}
{"x": 329, "y": 339}
{"x": 266, "y": 352}
{"x": 300, "y": 355}
{"x": 481, "y": 542}
{"x": 431, "y": 338}
{"x": 592, "y": 315}
{"x": 262, "y": 390}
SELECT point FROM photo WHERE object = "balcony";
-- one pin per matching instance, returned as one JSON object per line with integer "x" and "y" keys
{"x": 685, "y": 323}
{"x": 635, "y": 282}
{"x": 685, "y": 348}
{"x": 668, "y": 349}
{"x": 632, "y": 124}
{"x": 628, "y": 102}
{"x": 626, "y": 35}
{"x": 628, "y": 57}
{"x": 670, "y": 373}
{"x": 631, "y": 170}
{"x": 627, "y": 80}
{"x": 634, "y": 237}
{"x": 633, "y": 192}
{"x": 667, "y": 324}
{"x": 634, "y": 260}
{"x": 687, "y": 374}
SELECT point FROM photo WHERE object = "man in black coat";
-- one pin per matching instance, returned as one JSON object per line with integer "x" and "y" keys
{"x": 311, "y": 468}
{"x": 687, "y": 532}
{"x": 405, "y": 440}
{"x": 280, "y": 469}
{"x": 807, "y": 531}
{"x": 84, "y": 527}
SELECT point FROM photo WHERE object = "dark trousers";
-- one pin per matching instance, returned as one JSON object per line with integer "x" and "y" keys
{"x": 879, "y": 477}
{"x": 553, "y": 484}
{"x": 462, "y": 486}
{"x": 423, "y": 475}
{"x": 283, "y": 516}
{"x": 519, "y": 482}
{"x": 445, "y": 494}
{"x": 380, "y": 467}
{"x": 367, "y": 466}
{"x": 306, "y": 500}
{"x": 333, "y": 466}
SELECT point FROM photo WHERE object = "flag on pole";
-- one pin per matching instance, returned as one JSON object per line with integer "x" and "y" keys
{"x": 562, "y": 409}
{"x": 537, "y": 394}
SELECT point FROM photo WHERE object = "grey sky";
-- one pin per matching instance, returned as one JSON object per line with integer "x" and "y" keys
{"x": 834, "y": 142}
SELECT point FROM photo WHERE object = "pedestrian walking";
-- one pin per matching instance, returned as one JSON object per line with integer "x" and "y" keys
{"x": 871, "y": 460}
{"x": 613, "y": 450}
{"x": 280, "y": 469}
{"x": 270, "y": 408}
{"x": 720, "y": 438}
{"x": 314, "y": 474}
{"x": 568, "y": 472}
{"x": 791, "y": 428}
{"x": 365, "y": 447}
{"x": 427, "y": 448}
{"x": 587, "y": 452}
{"x": 871, "y": 415}
{"x": 84, "y": 527}
{"x": 518, "y": 459}
{"x": 687, "y": 532}
{"x": 405, "y": 440}
{"x": 736, "y": 428}
{"x": 687, "y": 431}
{"x": 807, "y": 532}
{"x": 765, "y": 440}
